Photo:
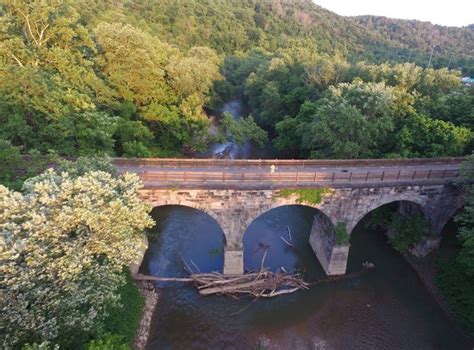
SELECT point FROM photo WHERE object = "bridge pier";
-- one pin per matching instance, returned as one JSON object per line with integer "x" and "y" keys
{"x": 332, "y": 256}
{"x": 233, "y": 262}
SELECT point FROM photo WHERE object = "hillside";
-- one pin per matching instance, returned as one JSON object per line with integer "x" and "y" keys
{"x": 138, "y": 78}
{"x": 454, "y": 44}
{"x": 228, "y": 26}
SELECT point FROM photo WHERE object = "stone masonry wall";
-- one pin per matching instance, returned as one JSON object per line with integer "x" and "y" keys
{"x": 234, "y": 210}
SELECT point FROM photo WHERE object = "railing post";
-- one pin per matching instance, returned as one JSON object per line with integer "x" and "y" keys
{"x": 223, "y": 176}
{"x": 333, "y": 176}
{"x": 243, "y": 174}
{"x": 398, "y": 175}
{"x": 429, "y": 174}
{"x": 414, "y": 175}
{"x": 315, "y": 175}
{"x": 261, "y": 177}
{"x": 367, "y": 177}
{"x": 383, "y": 176}
{"x": 350, "y": 176}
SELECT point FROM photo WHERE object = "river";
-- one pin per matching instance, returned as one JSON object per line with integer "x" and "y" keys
{"x": 384, "y": 309}
{"x": 231, "y": 150}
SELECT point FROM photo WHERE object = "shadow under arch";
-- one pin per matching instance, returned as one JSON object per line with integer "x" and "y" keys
{"x": 183, "y": 238}
{"x": 283, "y": 232}
{"x": 381, "y": 202}
{"x": 404, "y": 207}
{"x": 449, "y": 239}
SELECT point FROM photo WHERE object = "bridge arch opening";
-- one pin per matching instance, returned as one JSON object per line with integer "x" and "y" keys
{"x": 282, "y": 234}
{"x": 183, "y": 238}
{"x": 403, "y": 224}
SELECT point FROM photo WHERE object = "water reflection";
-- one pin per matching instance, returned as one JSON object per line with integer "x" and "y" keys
{"x": 384, "y": 309}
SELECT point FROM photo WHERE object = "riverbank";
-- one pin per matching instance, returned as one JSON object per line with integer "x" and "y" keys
{"x": 426, "y": 271}
{"x": 148, "y": 291}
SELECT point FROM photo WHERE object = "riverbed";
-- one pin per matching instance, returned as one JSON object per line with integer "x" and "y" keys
{"x": 385, "y": 309}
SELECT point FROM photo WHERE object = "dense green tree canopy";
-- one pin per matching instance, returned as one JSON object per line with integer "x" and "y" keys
{"x": 64, "y": 242}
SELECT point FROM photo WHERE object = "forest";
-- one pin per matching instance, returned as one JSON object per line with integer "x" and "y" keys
{"x": 139, "y": 79}
{"x": 89, "y": 79}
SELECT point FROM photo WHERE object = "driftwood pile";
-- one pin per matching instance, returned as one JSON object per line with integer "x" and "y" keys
{"x": 265, "y": 284}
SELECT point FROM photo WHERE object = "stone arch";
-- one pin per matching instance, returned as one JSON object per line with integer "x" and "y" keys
{"x": 253, "y": 215}
{"x": 322, "y": 237}
{"x": 380, "y": 202}
{"x": 185, "y": 203}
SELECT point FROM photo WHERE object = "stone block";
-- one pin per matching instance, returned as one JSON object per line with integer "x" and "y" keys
{"x": 233, "y": 262}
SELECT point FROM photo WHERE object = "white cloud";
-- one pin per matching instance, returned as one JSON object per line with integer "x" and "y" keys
{"x": 452, "y": 13}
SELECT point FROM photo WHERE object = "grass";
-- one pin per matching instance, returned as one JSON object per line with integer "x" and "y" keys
{"x": 123, "y": 320}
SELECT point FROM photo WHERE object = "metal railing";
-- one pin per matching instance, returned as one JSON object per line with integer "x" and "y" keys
{"x": 208, "y": 163}
{"x": 298, "y": 177}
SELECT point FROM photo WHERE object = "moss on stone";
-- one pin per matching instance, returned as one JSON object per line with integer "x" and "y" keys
{"x": 306, "y": 195}
{"x": 342, "y": 237}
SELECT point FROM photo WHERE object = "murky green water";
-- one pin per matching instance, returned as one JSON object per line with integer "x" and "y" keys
{"x": 384, "y": 309}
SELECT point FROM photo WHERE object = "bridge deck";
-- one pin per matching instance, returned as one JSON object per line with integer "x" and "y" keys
{"x": 258, "y": 174}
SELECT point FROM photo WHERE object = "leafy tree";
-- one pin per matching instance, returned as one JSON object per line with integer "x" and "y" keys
{"x": 421, "y": 136}
{"x": 242, "y": 129}
{"x": 135, "y": 149}
{"x": 65, "y": 241}
{"x": 9, "y": 159}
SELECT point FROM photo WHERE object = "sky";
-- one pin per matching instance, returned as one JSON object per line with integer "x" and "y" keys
{"x": 445, "y": 12}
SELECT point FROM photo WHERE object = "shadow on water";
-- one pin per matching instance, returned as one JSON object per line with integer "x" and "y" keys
{"x": 384, "y": 309}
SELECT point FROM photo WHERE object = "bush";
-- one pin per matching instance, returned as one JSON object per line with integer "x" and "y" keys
{"x": 10, "y": 159}
{"x": 136, "y": 149}
{"x": 408, "y": 230}
{"x": 457, "y": 287}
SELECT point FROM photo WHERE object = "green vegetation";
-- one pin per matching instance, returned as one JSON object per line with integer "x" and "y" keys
{"x": 123, "y": 319}
{"x": 67, "y": 238}
{"x": 456, "y": 276}
{"x": 139, "y": 78}
{"x": 342, "y": 236}
{"x": 242, "y": 129}
{"x": 456, "y": 285}
{"x": 406, "y": 231}
{"x": 466, "y": 219}
{"x": 136, "y": 79}
{"x": 306, "y": 195}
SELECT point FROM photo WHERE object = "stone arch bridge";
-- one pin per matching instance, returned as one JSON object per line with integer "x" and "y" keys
{"x": 236, "y": 192}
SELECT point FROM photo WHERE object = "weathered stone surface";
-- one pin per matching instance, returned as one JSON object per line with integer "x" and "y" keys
{"x": 234, "y": 211}
{"x": 233, "y": 262}
{"x": 425, "y": 246}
